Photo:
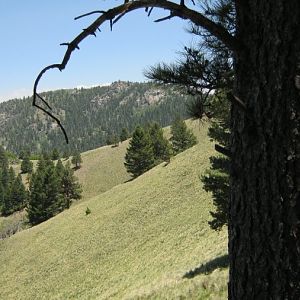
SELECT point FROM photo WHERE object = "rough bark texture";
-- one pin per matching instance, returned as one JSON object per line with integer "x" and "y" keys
{"x": 264, "y": 225}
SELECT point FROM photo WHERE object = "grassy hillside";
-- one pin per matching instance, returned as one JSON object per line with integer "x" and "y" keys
{"x": 145, "y": 239}
{"x": 102, "y": 169}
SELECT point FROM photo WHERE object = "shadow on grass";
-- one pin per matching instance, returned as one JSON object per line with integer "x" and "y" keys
{"x": 216, "y": 263}
{"x": 130, "y": 179}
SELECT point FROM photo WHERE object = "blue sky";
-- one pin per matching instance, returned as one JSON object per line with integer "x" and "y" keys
{"x": 32, "y": 30}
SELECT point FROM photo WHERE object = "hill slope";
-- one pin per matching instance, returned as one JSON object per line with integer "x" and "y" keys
{"x": 139, "y": 241}
{"x": 88, "y": 115}
{"x": 102, "y": 169}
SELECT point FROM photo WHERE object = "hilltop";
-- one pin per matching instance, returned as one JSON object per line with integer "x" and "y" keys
{"x": 147, "y": 238}
{"x": 89, "y": 115}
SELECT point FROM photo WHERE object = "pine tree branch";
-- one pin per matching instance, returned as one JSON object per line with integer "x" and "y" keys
{"x": 117, "y": 12}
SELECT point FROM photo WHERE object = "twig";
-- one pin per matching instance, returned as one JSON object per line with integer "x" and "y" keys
{"x": 119, "y": 17}
{"x": 54, "y": 118}
{"x": 165, "y": 18}
{"x": 44, "y": 101}
{"x": 90, "y": 13}
{"x": 89, "y": 31}
{"x": 150, "y": 11}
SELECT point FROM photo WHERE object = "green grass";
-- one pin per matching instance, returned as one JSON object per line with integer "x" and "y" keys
{"x": 102, "y": 169}
{"x": 140, "y": 241}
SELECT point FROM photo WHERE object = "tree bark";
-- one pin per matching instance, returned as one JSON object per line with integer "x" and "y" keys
{"x": 264, "y": 224}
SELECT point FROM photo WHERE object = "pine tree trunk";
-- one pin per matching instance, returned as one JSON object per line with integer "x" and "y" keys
{"x": 264, "y": 225}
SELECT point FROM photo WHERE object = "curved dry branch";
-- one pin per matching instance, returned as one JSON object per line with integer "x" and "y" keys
{"x": 176, "y": 10}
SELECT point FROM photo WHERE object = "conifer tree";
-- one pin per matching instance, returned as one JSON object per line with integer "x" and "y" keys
{"x": 161, "y": 146}
{"x": 70, "y": 189}
{"x": 59, "y": 168}
{"x": 7, "y": 180}
{"x": 3, "y": 158}
{"x": 76, "y": 160}
{"x": 124, "y": 135}
{"x": 66, "y": 154}
{"x": 2, "y": 195}
{"x": 18, "y": 195}
{"x": 114, "y": 140}
{"x": 44, "y": 200}
{"x": 26, "y": 165}
{"x": 55, "y": 154}
{"x": 139, "y": 157}
{"x": 12, "y": 192}
{"x": 182, "y": 138}
{"x": 109, "y": 139}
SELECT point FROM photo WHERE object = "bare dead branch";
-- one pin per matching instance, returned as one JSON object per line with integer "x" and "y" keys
{"x": 90, "y": 32}
{"x": 90, "y": 13}
{"x": 175, "y": 9}
{"x": 36, "y": 95}
{"x": 150, "y": 11}
{"x": 56, "y": 120}
{"x": 44, "y": 101}
{"x": 119, "y": 17}
{"x": 164, "y": 19}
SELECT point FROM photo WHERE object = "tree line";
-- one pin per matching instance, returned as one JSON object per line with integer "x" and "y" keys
{"x": 148, "y": 146}
{"x": 52, "y": 187}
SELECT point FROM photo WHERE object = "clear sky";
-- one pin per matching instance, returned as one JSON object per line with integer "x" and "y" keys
{"x": 31, "y": 31}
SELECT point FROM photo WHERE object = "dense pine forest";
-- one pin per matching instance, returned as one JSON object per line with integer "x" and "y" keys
{"x": 90, "y": 115}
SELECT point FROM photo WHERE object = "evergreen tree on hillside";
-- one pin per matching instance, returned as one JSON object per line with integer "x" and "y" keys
{"x": 66, "y": 154}
{"x": 70, "y": 189}
{"x": 114, "y": 140}
{"x": 12, "y": 192}
{"x": 124, "y": 135}
{"x": 139, "y": 157}
{"x": 26, "y": 165}
{"x": 76, "y": 160}
{"x": 46, "y": 156}
{"x": 23, "y": 153}
{"x": 2, "y": 194}
{"x": 161, "y": 146}
{"x": 3, "y": 158}
{"x": 18, "y": 195}
{"x": 182, "y": 138}
{"x": 7, "y": 179}
{"x": 44, "y": 200}
{"x": 59, "y": 168}
{"x": 55, "y": 154}
{"x": 3, "y": 176}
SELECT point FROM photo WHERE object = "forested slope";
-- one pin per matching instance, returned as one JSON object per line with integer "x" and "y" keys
{"x": 88, "y": 115}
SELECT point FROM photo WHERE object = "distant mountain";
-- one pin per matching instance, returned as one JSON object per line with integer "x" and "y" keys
{"x": 89, "y": 115}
